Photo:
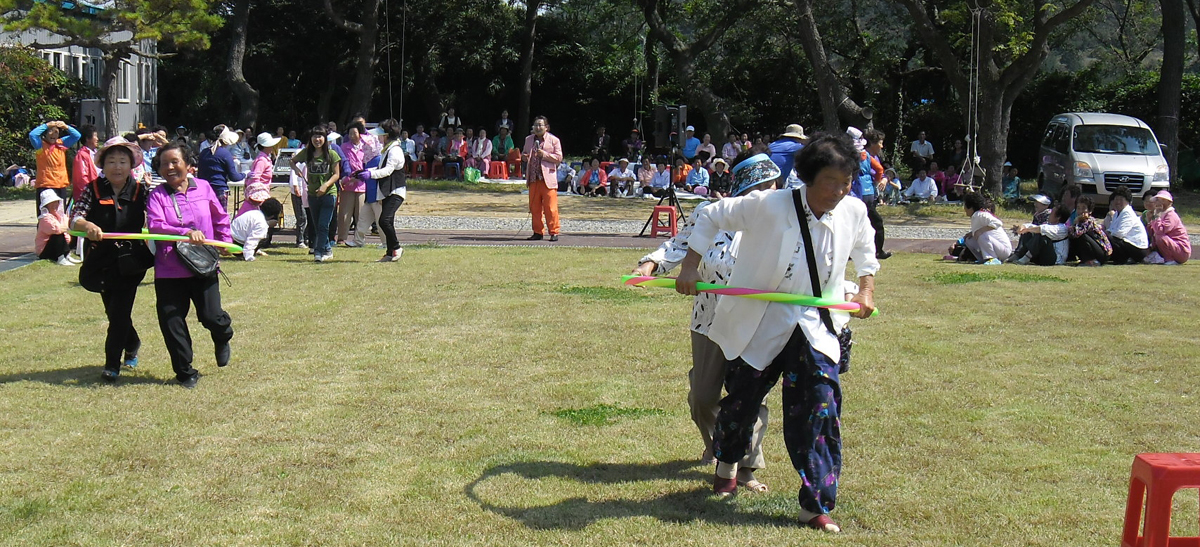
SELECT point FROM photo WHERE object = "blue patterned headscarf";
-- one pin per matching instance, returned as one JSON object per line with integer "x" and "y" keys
{"x": 753, "y": 171}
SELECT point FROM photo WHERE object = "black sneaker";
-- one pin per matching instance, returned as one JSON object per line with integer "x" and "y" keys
{"x": 223, "y": 354}
{"x": 883, "y": 255}
{"x": 190, "y": 382}
{"x": 554, "y": 237}
{"x": 534, "y": 237}
{"x": 110, "y": 376}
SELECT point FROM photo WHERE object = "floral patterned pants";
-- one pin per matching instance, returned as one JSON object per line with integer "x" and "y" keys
{"x": 812, "y": 400}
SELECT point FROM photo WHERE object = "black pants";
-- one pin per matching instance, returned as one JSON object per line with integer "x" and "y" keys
{"x": 223, "y": 198}
{"x": 174, "y": 299}
{"x": 876, "y": 221}
{"x": 1041, "y": 247}
{"x": 56, "y": 248}
{"x": 1124, "y": 251}
{"x": 1087, "y": 248}
{"x": 122, "y": 337}
{"x": 387, "y": 221}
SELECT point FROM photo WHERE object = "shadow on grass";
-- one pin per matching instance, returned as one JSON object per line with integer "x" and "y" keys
{"x": 577, "y": 513}
{"x": 958, "y": 278}
{"x": 75, "y": 377}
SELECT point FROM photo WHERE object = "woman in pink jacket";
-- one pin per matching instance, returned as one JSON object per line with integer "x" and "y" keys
{"x": 1168, "y": 236}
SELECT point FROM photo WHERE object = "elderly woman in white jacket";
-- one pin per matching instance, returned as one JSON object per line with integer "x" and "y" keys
{"x": 789, "y": 239}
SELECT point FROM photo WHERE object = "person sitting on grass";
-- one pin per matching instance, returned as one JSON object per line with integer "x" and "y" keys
{"x": 952, "y": 185}
{"x": 594, "y": 180}
{"x": 253, "y": 225}
{"x": 1089, "y": 242}
{"x": 52, "y": 241}
{"x": 1011, "y": 182}
{"x": 1125, "y": 230}
{"x": 621, "y": 179}
{"x": 923, "y": 188}
{"x": 661, "y": 183}
{"x": 721, "y": 181}
{"x": 987, "y": 241}
{"x": 679, "y": 174}
{"x": 892, "y": 186}
{"x": 1044, "y": 244}
{"x": 698, "y": 179}
{"x": 1067, "y": 197}
{"x": 1168, "y": 236}
{"x": 937, "y": 175}
{"x": 1041, "y": 215}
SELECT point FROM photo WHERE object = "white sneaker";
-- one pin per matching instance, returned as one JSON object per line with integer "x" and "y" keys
{"x": 74, "y": 260}
{"x": 301, "y": 245}
{"x": 324, "y": 258}
{"x": 62, "y": 261}
{"x": 353, "y": 244}
{"x": 1024, "y": 261}
{"x": 1154, "y": 258}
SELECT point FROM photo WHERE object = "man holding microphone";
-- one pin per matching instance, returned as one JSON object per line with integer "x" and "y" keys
{"x": 542, "y": 153}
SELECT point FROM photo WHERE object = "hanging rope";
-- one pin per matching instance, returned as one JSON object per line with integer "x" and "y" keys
{"x": 403, "y": 34}
{"x": 973, "y": 97}
{"x": 387, "y": 40}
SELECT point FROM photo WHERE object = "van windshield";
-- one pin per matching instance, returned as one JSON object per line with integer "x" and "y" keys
{"x": 1115, "y": 139}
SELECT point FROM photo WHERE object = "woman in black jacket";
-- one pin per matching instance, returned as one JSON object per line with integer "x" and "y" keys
{"x": 114, "y": 268}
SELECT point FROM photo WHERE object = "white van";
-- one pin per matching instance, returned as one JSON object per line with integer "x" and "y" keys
{"x": 1100, "y": 152}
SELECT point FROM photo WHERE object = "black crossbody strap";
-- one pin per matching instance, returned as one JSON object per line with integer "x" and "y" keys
{"x": 802, "y": 216}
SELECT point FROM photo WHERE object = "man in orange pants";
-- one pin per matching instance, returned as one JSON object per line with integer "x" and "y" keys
{"x": 543, "y": 152}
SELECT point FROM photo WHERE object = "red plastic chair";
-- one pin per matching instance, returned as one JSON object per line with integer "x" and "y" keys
{"x": 498, "y": 170}
{"x": 668, "y": 226}
{"x": 1158, "y": 477}
{"x": 417, "y": 169}
{"x": 438, "y": 170}
{"x": 514, "y": 169}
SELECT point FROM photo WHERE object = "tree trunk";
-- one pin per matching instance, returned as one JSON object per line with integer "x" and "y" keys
{"x": 994, "y": 119}
{"x": 427, "y": 90}
{"x": 837, "y": 108}
{"x": 526, "y": 87}
{"x": 703, "y": 99}
{"x": 247, "y": 96}
{"x": 1171, "y": 81}
{"x": 359, "y": 102}
{"x": 651, "y": 71}
{"x": 325, "y": 98}
{"x": 110, "y": 84}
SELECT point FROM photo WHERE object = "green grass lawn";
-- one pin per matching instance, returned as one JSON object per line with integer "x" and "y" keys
{"x": 521, "y": 397}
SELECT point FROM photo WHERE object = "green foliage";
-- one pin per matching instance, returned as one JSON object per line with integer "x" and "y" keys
{"x": 33, "y": 93}
{"x": 603, "y": 414}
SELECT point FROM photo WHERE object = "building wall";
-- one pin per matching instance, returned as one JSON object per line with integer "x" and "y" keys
{"x": 137, "y": 89}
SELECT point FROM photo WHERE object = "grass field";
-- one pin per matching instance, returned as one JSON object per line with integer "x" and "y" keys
{"x": 521, "y": 397}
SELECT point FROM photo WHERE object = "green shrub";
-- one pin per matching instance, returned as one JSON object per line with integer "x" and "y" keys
{"x": 34, "y": 92}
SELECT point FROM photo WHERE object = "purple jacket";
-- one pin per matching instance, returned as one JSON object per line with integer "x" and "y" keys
{"x": 198, "y": 209}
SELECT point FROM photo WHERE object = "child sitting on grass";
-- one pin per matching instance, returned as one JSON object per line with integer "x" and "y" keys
{"x": 1047, "y": 243}
{"x": 52, "y": 241}
{"x": 986, "y": 241}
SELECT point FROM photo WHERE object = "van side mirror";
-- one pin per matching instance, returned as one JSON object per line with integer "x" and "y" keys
{"x": 1163, "y": 148}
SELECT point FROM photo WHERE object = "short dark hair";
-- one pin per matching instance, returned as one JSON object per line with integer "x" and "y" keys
{"x": 874, "y": 135}
{"x": 543, "y": 118}
{"x": 1061, "y": 213}
{"x": 391, "y": 127}
{"x": 826, "y": 150}
{"x": 86, "y": 132}
{"x": 1149, "y": 194}
{"x": 362, "y": 129}
{"x": 1072, "y": 190}
{"x": 975, "y": 201}
{"x": 271, "y": 208}
{"x": 189, "y": 157}
{"x": 1121, "y": 192}
{"x": 1085, "y": 204}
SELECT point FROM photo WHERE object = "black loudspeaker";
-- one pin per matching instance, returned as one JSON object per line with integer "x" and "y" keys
{"x": 669, "y": 119}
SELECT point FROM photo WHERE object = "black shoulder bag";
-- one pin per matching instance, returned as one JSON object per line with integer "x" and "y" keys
{"x": 202, "y": 260}
{"x": 844, "y": 337}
